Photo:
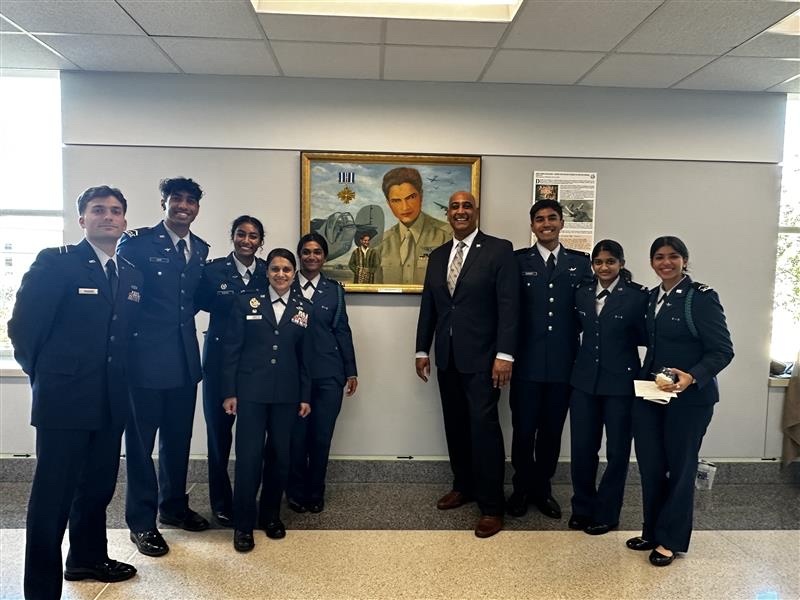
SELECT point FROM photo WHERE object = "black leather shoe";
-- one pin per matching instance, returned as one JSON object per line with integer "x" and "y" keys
{"x": 150, "y": 543}
{"x": 598, "y": 528}
{"x": 517, "y": 504}
{"x": 191, "y": 521}
{"x": 243, "y": 541}
{"x": 275, "y": 530}
{"x": 108, "y": 571}
{"x": 549, "y": 507}
{"x": 639, "y": 543}
{"x": 316, "y": 507}
{"x": 660, "y": 560}
{"x": 579, "y": 522}
{"x": 223, "y": 519}
{"x": 296, "y": 506}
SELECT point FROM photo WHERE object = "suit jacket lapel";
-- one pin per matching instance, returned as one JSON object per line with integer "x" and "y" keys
{"x": 97, "y": 272}
{"x": 472, "y": 256}
{"x": 613, "y": 300}
{"x": 562, "y": 263}
{"x": 443, "y": 268}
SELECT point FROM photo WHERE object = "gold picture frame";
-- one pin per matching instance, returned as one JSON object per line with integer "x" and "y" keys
{"x": 343, "y": 199}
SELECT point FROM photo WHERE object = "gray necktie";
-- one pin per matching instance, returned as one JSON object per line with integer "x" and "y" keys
{"x": 455, "y": 267}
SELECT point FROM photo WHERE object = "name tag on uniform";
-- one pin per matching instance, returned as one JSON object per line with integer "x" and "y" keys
{"x": 88, "y": 291}
{"x": 254, "y": 317}
{"x": 158, "y": 259}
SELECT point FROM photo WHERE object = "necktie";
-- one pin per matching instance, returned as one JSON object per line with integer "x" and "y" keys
{"x": 181, "y": 246}
{"x": 113, "y": 280}
{"x": 307, "y": 285}
{"x": 660, "y": 303}
{"x": 603, "y": 294}
{"x": 308, "y": 290}
{"x": 278, "y": 308}
{"x": 277, "y": 300}
{"x": 246, "y": 277}
{"x": 407, "y": 248}
{"x": 600, "y": 301}
{"x": 455, "y": 267}
{"x": 551, "y": 265}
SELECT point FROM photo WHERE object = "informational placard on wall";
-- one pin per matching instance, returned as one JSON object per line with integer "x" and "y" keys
{"x": 577, "y": 193}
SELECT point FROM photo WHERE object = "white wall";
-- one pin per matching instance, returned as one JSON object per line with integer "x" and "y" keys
{"x": 240, "y": 138}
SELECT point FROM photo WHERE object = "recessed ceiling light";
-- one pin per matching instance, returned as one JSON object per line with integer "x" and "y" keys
{"x": 502, "y": 11}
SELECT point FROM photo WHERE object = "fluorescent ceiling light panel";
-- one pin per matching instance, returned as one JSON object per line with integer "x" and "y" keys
{"x": 501, "y": 11}
{"x": 788, "y": 26}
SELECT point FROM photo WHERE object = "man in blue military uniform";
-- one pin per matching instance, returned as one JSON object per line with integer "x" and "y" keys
{"x": 548, "y": 342}
{"x": 70, "y": 328}
{"x": 165, "y": 368}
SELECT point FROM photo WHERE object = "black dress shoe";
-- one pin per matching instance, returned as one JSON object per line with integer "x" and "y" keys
{"x": 190, "y": 521}
{"x": 296, "y": 506}
{"x": 150, "y": 543}
{"x": 660, "y": 560}
{"x": 579, "y": 522}
{"x": 598, "y": 528}
{"x": 639, "y": 543}
{"x": 108, "y": 571}
{"x": 517, "y": 504}
{"x": 223, "y": 519}
{"x": 317, "y": 506}
{"x": 548, "y": 507}
{"x": 243, "y": 541}
{"x": 275, "y": 530}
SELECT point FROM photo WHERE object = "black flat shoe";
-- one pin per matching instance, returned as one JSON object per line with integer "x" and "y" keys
{"x": 517, "y": 504}
{"x": 296, "y": 506}
{"x": 598, "y": 528}
{"x": 639, "y": 543}
{"x": 243, "y": 541}
{"x": 190, "y": 521}
{"x": 223, "y": 519}
{"x": 108, "y": 571}
{"x": 150, "y": 543}
{"x": 275, "y": 530}
{"x": 660, "y": 560}
{"x": 579, "y": 522}
{"x": 316, "y": 507}
{"x": 549, "y": 507}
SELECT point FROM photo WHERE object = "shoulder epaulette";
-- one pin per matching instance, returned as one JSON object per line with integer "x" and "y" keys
{"x": 637, "y": 286}
{"x": 199, "y": 239}
{"x": 138, "y": 231}
{"x": 522, "y": 251}
{"x": 127, "y": 262}
{"x": 216, "y": 260}
{"x": 576, "y": 252}
{"x": 702, "y": 287}
{"x": 66, "y": 249}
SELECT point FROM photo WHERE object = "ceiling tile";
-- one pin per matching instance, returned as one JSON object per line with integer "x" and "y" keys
{"x": 790, "y": 87}
{"x": 540, "y": 66}
{"x": 321, "y": 29}
{"x": 705, "y": 26}
{"x": 195, "y": 18}
{"x": 644, "y": 70}
{"x": 418, "y": 63}
{"x": 6, "y": 26}
{"x": 75, "y": 16}
{"x": 576, "y": 25}
{"x": 219, "y": 57}
{"x": 743, "y": 74}
{"x": 346, "y": 61}
{"x": 444, "y": 33}
{"x": 19, "y": 51}
{"x": 111, "y": 53}
{"x": 770, "y": 45}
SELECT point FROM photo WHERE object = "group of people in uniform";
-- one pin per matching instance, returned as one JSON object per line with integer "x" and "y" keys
{"x": 105, "y": 330}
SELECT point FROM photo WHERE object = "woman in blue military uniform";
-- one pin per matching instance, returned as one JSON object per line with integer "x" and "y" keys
{"x": 241, "y": 272}
{"x": 333, "y": 370}
{"x": 265, "y": 383}
{"x": 688, "y": 336}
{"x": 611, "y": 313}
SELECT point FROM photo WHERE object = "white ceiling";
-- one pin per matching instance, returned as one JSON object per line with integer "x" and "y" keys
{"x": 684, "y": 44}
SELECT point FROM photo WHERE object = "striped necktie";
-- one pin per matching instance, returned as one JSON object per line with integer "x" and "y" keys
{"x": 455, "y": 267}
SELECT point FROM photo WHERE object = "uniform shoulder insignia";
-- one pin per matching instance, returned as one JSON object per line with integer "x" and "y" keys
{"x": 702, "y": 287}
{"x": 637, "y": 286}
{"x": 65, "y": 249}
{"x": 577, "y": 252}
{"x": 201, "y": 240}
{"x": 216, "y": 260}
{"x": 138, "y": 231}
{"x": 521, "y": 251}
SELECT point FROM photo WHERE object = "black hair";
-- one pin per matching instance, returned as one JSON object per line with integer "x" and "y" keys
{"x": 179, "y": 184}
{"x": 614, "y": 248}
{"x": 282, "y": 253}
{"x": 399, "y": 176}
{"x": 313, "y": 237}
{"x": 247, "y": 219}
{"x": 542, "y": 204}
{"x": 673, "y": 242}
{"x": 101, "y": 191}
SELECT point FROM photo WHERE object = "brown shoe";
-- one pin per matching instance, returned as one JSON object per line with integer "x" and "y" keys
{"x": 488, "y": 525}
{"x": 452, "y": 499}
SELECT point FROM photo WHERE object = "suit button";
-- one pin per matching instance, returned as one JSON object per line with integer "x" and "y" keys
{"x": 275, "y": 347}
{"x": 550, "y": 314}
{"x": 549, "y": 328}
{"x": 181, "y": 306}
{"x": 111, "y": 339}
{"x": 273, "y": 361}
{"x": 113, "y": 317}
{"x": 158, "y": 273}
{"x": 552, "y": 299}
{"x": 135, "y": 334}
{"x": 528, "y": 284}
{"x": 550, "y": 286}
{"x": 182, "y": 274}
{"x": 216, "y": 338}
{"x": 277, "y": 332}
{"x": 109, "y": 359}
{"x": 597, "y": 347}
{"x": 596, "y": 360}
{"x": 183, "y": 291}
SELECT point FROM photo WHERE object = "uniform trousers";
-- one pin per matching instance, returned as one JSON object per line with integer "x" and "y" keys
{"x": 170, "y": 412}
{"x": 76, "y": 473}
{"x": 667, "y": 440}
{"x": 219, "y": 432}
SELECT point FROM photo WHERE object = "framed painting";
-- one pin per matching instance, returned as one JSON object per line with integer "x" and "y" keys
{"x": 382, "y": 214}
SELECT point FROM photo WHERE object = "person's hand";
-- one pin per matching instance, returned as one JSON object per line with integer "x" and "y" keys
{"x": 351, "y": 385}
{"x": 305, "y": 409}
{"x": 501, "y": 372}
{"x": 229, "y": 405}
{"x": 423, "y": 366}
{"x": 684, "y": 381}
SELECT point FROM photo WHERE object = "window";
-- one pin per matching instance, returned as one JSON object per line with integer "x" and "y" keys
{"x": 786, "y": 309}
{"x": 31, "y": 206}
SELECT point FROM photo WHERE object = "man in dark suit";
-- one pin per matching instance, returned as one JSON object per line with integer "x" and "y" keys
{"x": 548, "y": 342}
{"x": 470, "y": 300}
{"x": 70, "y": 328}
{"x": 165, "y": 368}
